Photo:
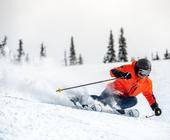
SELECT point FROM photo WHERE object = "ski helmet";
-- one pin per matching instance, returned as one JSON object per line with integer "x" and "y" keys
{"x": 143, "y": 67}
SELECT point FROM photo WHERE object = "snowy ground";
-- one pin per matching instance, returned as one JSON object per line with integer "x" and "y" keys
{"x": 30, "y": 109}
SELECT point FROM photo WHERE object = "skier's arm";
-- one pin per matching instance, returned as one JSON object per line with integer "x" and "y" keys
{"x": 120, "y": 72}
{"x": 152, "y": 100}
{"x": 153, "y": 104}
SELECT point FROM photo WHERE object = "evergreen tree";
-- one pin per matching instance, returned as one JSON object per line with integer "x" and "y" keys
{"x": 80, "y": 62}
{"x": 110, "y": 55}
{"x": 157, "y": 56}
{"x": 43, "y": 50}
{"x": 2, "y": 47}
{"x": 20, "y": 51}
{"x": 122, "y": 55}
{"x": 166, "y": 55}
{"x": 73, "y": 59}
{"x": 65, "y": 58}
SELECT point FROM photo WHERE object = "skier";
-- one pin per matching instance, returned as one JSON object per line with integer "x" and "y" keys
{"x": 132, "y": 79}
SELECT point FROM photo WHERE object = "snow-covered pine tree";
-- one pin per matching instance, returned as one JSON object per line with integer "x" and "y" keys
{"x": 2, "y": 46}
{"x": 73, "y": 59}
{"x": 42, "y": 51}
{"x": 122, "y": 54}
{"x": 110, "y": 55}
{"x": 167, "y": 55}
{"x": 20, "y": 51}
{"x": 157, "y": 56}
{"x": 80, "y": 60}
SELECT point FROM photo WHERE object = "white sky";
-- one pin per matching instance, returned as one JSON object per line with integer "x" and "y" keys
{"x": 146, "y": 24}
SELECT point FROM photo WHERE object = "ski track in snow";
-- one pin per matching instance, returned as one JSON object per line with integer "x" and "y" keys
{"x": 31, "y": 109}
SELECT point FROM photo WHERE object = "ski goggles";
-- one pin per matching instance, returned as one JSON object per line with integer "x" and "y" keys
{"x": 144, "y": 72}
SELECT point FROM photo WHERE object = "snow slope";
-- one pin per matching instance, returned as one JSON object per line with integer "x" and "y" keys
{"x": 31, "y": 110}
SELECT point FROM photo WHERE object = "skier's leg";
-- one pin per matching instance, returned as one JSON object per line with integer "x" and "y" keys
{"x": 116, "y": 101}
{"x": 126, "y": 102}
{"x": 105, "y": 97}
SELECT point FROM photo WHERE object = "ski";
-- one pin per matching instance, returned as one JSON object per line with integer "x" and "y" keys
{"x": 100, "y": 107}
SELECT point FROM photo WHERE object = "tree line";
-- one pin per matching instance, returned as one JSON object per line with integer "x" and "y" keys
{"x": 110, "y": 55}
{"x": 157, "y": 57}
{"x": 72, "y": 59}
{"x": 21, "y": 55}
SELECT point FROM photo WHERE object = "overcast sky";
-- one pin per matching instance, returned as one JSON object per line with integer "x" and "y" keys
{"x": 146, "y": 24}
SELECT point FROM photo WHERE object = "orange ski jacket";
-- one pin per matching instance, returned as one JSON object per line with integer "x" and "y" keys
{"x": 133, "y": 86}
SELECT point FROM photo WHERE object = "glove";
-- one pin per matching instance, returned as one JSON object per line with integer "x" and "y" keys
{"x": 127, "y": 75}
{"x": 119, "y": 74}
{"x": 156, "y": 109}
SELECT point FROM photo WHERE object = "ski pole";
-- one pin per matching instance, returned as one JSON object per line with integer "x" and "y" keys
{"x": 150, "y": 116}
{"x": 62, "y": 89}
